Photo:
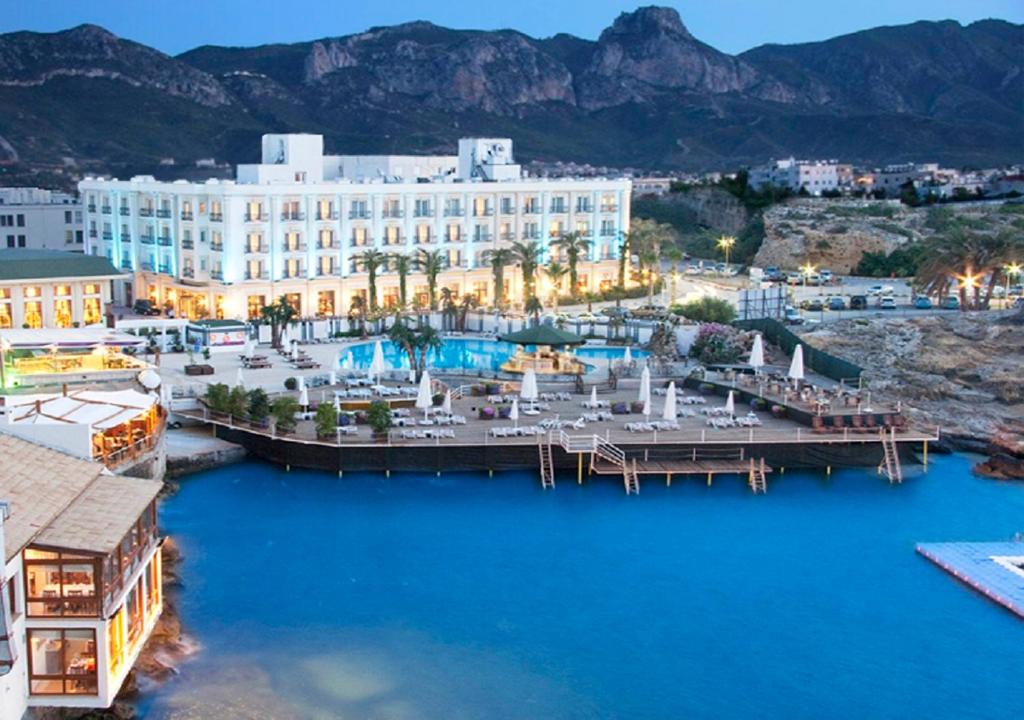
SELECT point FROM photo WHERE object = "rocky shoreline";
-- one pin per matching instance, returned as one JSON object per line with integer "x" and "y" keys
{"x": 958, "y": 371}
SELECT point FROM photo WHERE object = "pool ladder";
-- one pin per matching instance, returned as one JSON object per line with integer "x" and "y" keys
{"x": 890, "y": 465}
{"x": 547, "y": 465}
{"x": 757, "y": 479}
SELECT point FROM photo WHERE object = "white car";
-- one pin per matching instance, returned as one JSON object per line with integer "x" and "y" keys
{"x": 887, "y": 302}
{"x": 875, "y": 290}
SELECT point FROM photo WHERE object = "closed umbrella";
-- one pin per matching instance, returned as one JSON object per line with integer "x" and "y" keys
{"x": 337, "y": 404}
{"x": 332, "y": 378}
{"x": 412, "y": 374}
{"x": 647, "y": 408}
{"x": 513, "y": 414}
{"x": 627, "y": 357}
{"x": 528, "y": 390}
{"x": 796, "y": 368}
{"x": 593, "y": 397}
{"x": 284, "y": 336}
{"x": 757, "y": 353}
{"x": 377, "y": 364}
{"x": 239, "y": 379}
{"x": 250, "y": 348}
{"x": 301, "y": 380}
{"x": 645, "y": 385}
{"x": 304, "y": 399}
{"x": 669, "y": 413}
{"x": 350, "y": 360}
{"x": 446, "y": 406}
{"x": 424, "y": 399}
{"x": 730, "y": 404}
{"x": 295, "y": 350}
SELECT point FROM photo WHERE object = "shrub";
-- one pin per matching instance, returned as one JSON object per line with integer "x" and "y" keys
{"x": 379, "y": 417}
{"x": 217, "y": 396}
{"x": 758, "y": 404}
{"x": 206, "y": 353}
{"x": 237, "y": 402}
{"x": 326, "y": 420}
{"x": 283, "y": 410}
{"x": 778, "y": 411}
{"x": 259, "y": 405}
{"x": 290, "y": 383}
{"x": 707, "y": 310}
{"x": 716, "y": 343}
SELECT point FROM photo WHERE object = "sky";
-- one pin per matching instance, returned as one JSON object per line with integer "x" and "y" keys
{"x": 732, "y": 26}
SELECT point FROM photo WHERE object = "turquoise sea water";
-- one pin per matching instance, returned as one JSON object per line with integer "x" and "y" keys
{"x": 468, "y": 597}
{"x": 457, "y": 353}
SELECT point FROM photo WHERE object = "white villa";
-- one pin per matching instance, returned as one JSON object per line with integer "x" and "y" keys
{"x": 296, "y": 224}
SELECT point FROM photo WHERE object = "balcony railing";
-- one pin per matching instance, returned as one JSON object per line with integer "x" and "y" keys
{"x": 91, "y": 207}
{"x": 125, "y": 211}
{"x": 185, "y": 215}
{"x": 531, "y": 210}
{"x": 165, "y": 240}
{"x": 261, "y": 249}
{"x": 107, "y": 235}
{"x": 454, "y": 238}
{"x": 216, "y": 216}
{"x": 609, "y": 208}
{"x": 560, "y": 209}
{"x": 507, "y": 210}
{"x": 106, "y": 210}
{"x": 332, "y": 215}
{"x": 297, "y": 274}
{"x": 397, "y": 240}
{"x": 608, "y": 232}
{"x": 332, "y": 245}
{"x": 187, "y": 244}
{"x": 584, "y": 208}
{"x": 217, "y": 274}
{"x": 359, "y": 215}
{"x": 357, "y": 243}
{"x": 531, "y": 234}
{"x": 392, "y": 214}
{"x": 145, "y": 212}
{"x": 507, "y": 236}
{"x": 483, "y": 237}
{"x": 164, "y": 213}
{"x": 147, "y": 239}
{"x": 293, "y": 216}
{"x": 485, "y": 212}
{"x": 252, "y": 217}
{"x": 328, "y": 272}
{"x": 300, "y": 247}
{"x": 217, "y": 247}
{"x": 188, "y": 272}
{"x": 258, "y": 275}
{"x": 454, "y": 212}
{"x": 424, "y": 213}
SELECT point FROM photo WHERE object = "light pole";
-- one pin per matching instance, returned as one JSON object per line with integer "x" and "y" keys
{"x": 1012, "y": 269}
{"x": 725, "y": 244}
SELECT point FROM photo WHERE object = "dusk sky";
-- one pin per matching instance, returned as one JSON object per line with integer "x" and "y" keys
{"x": 729, "y": 25}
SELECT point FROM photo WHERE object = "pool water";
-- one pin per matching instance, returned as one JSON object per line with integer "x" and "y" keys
{"x": 466, "y": 353}
{"x": 467, "y": 597}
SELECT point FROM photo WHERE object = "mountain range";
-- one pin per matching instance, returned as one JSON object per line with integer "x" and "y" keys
{"x": 646, "y": 94}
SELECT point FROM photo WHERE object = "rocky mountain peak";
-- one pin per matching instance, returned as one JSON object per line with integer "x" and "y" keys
{"x": 647, "y": 21}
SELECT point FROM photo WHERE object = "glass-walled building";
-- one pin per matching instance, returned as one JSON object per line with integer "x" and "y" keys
{"x": 82, "y": 583}
{"x": 299, "y": 224}
{"x": 53, "y": 289}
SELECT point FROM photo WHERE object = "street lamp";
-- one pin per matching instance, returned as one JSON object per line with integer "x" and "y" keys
{"x": 807, "y": 270}
{"x": 1012, "y": 269}
{"x": 725, "y": 244}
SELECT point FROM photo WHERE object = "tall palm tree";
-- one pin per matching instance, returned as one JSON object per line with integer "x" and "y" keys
{"x": 357, "y": 313}
{"x": 528, "y": 255}
{"x": 498, "y": 259}
{"x": 278, "y": 315}
{"x": 534, "y": 307}
{"x": 555, "y": 272}
{"x": 574, "y": 245}
{"x": 625, "y": 249}
{"x": 372, "y": 260}
{"x": 431, "y": 263}
{"x": 959, "y": 259}
{"x": 674, "y": 255}
{"x": 403, "y": 266}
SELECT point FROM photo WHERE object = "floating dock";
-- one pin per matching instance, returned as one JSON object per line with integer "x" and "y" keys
{"x": 995, "y": 569}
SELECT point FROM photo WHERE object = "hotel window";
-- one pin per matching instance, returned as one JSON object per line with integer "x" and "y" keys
{"x": 62, "y": 662}
{"x": 454, "y": 257}
{"x": 423, "y": 234}
{"x": 295, "y": 300}
{"x": 584, "y": 204}
{"x": 531, "y": 231}
{"x": 325, "y": 303}
{"x": 218, "y": 307}
{"x": 254, "y": 242}
{"x": 422, "y": 208}
{"x": 91, "y": 311}
{"x": 507, "y": 206}
{"x": 326, "y": 239}
{"x": 452, "y": 207}
{"x": 325, "y": 265}
{"x": 558, "y": 204}
{"x": 133, "y": 606}
{"x": 255, "y": 304}
{"x": 60, "y": 584}
{"x": 293, "y": 242}
{"x": 216, "y": 241}
{"x": 531, "y": 205}
{"x": 607, "y": 228}
{"x": 62, "y": 290}
{"x": 253, "y": 211}
{"x": 293, "y": 268}
{"x": 608, "y": 203}
{"x": 6, "y": 321}
{"x": 391, "y": 297}
{"x": 391, "y": 235}
{"x": 453, "y": 233}
{"x": 359, "y": 209}
{"x": 557, "y": 229}
{"x": 359, "y": 236}
{"x": 34, "y": 314}
{"x": 115, "y": 641}
{"x": 480, "y": 291}
{"x": 62, "y": 312}
{"x": 324, "y": 210}
{"x": 290, "y": 211}
{"x": 481, "y": 207}
{"x": 392, "y": 208}
{"x": 583, "y": 227}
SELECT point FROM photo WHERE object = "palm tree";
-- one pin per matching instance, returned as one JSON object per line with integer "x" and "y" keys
{"x": 403, "y": 266}
{"x": 674, "y": 255}
{"x": 625, "y": 248}
{"x": 959, "y": 259}
{"x": 574, "y": 245}
{"x": 431, "y": 263}
{"x": 372, "y": 260}
{"x": 417, "y": 343}
{"x": 448, "y": 308}
{"x": 498, "y": 259}
{"x": 555, "y": 272}
{"x": 527, "y": 254}
{"x": 278, "y": 315}
{"x": 534, "y": 307}
{"x": 357, "y": 313}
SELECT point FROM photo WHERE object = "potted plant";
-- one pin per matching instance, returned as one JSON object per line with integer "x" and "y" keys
{"x": 326, "y": 421}
{"x": 290, "y": 383}
{"x": 379, "y": 418}
{"x": 259, "y": 408}
{"x": 778, "y": 411}
{"x": 758, "y": 404}
{"x": 636, "y": 407}
{"x": 487, "y": 413}
{"x": 283, "y": 410}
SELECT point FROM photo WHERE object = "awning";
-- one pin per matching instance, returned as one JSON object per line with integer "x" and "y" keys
{"x": 543, "y": 335}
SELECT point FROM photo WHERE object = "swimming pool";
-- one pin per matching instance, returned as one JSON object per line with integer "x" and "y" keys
{"x": 471, "y": 353}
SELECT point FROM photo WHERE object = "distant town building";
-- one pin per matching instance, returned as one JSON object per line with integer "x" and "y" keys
{"x": 651, "y": 185}
{"x": 81, "y": 586}
{"x": 811, "y": 176}
{"x": 53, "y": 289}
{"x": 40, "y": 219}
{"x": 298, "y": 224}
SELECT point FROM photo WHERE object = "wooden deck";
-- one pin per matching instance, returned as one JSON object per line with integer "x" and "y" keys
{"x": 678, "y": 467}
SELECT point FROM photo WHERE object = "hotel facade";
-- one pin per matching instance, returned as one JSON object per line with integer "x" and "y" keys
{"x": 296, "y": 225}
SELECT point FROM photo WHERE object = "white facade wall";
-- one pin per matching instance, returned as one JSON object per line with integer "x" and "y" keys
{"x": 813, "y": 176}
{"x": 40, "y": 219}
{"x": 227, "y": 241}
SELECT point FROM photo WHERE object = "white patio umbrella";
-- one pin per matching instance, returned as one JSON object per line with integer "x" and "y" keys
{"x": 730, "y": 404}
{"x": 284, "y": 336}
{"x": 796, "y": 368}
{"x": 332, "y": 378}
{"x": 647, "y": 408}
{"x": 645, "y": 385}
{"x": 513, "y": 414}
{"x": 424, "y": 398}
{"x": 627, "y": 357}
{"x": 350, "y": 361}
{"x": 446, "y": 406}
{"x": 528, "y": 390}
{"x": 304, "y": 398}
{"x": 337, "y": 404}
{"x": 412, "y": 374}
{"x": 669, "y": 412}
{"x": 250, "y": 348}
{"x": 757, "y": 353}
{"x": 377, "y": 364}
{"x": 295, "y": 350}
{"x": 239, "y": 379}
{"x": 593, "y": 397}
{"x": 301, "y": 380}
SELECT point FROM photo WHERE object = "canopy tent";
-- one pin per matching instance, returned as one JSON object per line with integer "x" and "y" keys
{"x": 543, "y": 335}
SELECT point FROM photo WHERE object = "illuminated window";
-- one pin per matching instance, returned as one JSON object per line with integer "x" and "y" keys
{"x": 62, "y": 290}
{"x": 62, "y": 313}
{"x": 325, "y": 303}
{"x": 60, "y": 585}
{"x": 33, "y": 291}
{"x": 92, "y": 289}
{"x": 295, "y": 300}
{"x": 62, "y": 662}
{"x": 256, "y": 303}
{"x": 92, "y": 312}
{"x": 218, "y": 307}
{"x": 5, "y": 293}
{"x": 5, "y": 315}
{"x": 34, "y": 314}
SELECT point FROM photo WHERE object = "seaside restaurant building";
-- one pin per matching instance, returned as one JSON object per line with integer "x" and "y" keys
{"x": 298, "y": 224}
{"x": 81, "y": 587}
{"x": 53, "y": 289}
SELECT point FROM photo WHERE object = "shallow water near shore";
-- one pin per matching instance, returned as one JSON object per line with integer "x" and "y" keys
{"x": 467, "y": 597}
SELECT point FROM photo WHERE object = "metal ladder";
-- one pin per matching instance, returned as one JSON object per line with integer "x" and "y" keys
{"x": 614, "y": 455}
{"x": 547, "y": 466}
{"x": 890, "y": 465}
{"x": 630, "y": 477}
{"x": 758, "y": 480}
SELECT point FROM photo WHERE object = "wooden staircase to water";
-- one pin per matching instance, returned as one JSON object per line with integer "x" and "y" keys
{"x": 757, "y": 477}
{"x": 547, "y": 465}
{"x": 890, "y": 465}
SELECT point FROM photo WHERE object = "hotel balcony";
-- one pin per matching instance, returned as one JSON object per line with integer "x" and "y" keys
{"x": 359, "y": 215}
{"x": 251, "y": 217}
{"x": 293, "y": 216}
{"x": 609, "y": 208}
{"x": 188, "y": 272}
{"x": 187, "y": 244}
{"x": 332, "y": 245}
{"x": 261, "y": 249}
{"x": 145, "y": 212}
{"x": 393, "y": 214}
{"x": 125, "y": 211}
{"x": 300, "y": 247}
{"x": 507, "y": 237}
{"x": 164, "y": 213}
{"x": 531, "y": 234}
{"x": 486, "y": 212}
{"x": 217, "y": 274}
{"x": 332, "y": 215}
{"x": 454, "y": 212}
{"x": 216, "y": 216}
{"x": 107, "y": 235}
{"x": 166, "y": 269}
{"x": 147, "y": 239}
{"x": 297, "y": 274}
{"x": 258, "y": 275}
{"x": 91, "y": 207}
{"x": 585, "y": 208}
{"x": 559, "y": 209}
{"x": 165, "y": 240}
{"x": 328, "y": 272}
{"x": 106, "y": 210}
{"x": 483, "y": 237}
{"x": 217, "y": 247}
{"x": 428, "y": 213}
{"x": 608, "y": 232}
{"x": 187, "y": 216}
{"x": 356, "y": 243}
{"x": 392, "y": 242}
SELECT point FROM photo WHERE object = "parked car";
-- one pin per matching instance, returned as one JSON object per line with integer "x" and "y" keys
{"x": 812, "y": 279}
{"x": 952, "y": 302}
{"x": 651, "y": 312}
{"x": 616, "y": 312}
{"x": 836, "y": 303}
{"x": 773, "y": 274}
{"x": 793, "y": 316}
{"x": 812, "y": 305}
{"x": 858, "y": 302}
{"x": 922, "y": 302}
{"x": 875, "y": 290}
{"x": 145, "y": 307}
{"x": 794, "y": 278}
{"x": 826, "y": 275}
{"x": 692, "y": 269}
{"x": 887, "y": 302}
{"x": 587, "y": 317}
{"x": 1018, "y": 303}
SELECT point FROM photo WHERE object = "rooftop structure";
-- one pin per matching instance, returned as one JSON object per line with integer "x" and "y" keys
{"x": 34, "y": 218}
{"x": 81, "y": 581}
{"x": 298, "y": 224}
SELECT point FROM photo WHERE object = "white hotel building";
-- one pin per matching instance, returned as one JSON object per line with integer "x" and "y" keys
{"x": 296, "y": 224}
